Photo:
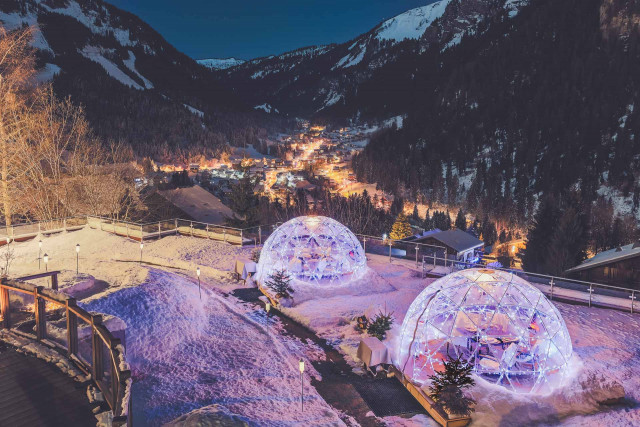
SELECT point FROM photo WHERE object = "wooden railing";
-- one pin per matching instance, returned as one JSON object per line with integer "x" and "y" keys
{"x": 116, "y": 390}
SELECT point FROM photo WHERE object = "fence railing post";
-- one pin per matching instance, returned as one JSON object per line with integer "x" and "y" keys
{"x": 191, "y": 227}
{"x": 241, "y": 238}
{"x": 175, "y": 225}
{"x": 5, "y": 308}
{"x": 126, "y": 226}
{"x": 159, "y": 230}
{"x": 224, "y": 234}
{"x": 72, "y": 328}
{"x": 141, "y": 234}
{"x": 552, "y": 288}
{"x": 41, "y": 314}
{"x": 208, "y": 237}
{"x": 633, "y": 297}
{"x": 54, "y": 281}
{"x": 115, "y": 384}
{"x": 260, "y": 234}
{"x": 96, "y": 348}
{"x": 590, "y": 293}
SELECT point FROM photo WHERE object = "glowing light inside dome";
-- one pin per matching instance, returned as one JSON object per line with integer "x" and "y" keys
{"x": 312, "y": 249}
{"x": 497, "y": 322}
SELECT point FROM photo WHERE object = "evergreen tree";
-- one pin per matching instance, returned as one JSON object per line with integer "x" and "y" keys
{"x": 447, "y": 387}
{"x": 489, "y": 232}
{"x": 244, "y": 204}
{"x": 415, "y": 216}
{"x": 280, "y": 283}
{"x": 569, "y": 241}
{"x": 539, "y": 236}
{"x": 461, "y": 221}
{"x": 401, "y": 229}
{"x": 428, "y": 221}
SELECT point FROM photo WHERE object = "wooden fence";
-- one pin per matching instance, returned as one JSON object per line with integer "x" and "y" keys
{"x": 108, "y": 375}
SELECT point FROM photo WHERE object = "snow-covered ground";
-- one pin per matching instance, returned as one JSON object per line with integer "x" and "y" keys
{"x": 217, "y": 353}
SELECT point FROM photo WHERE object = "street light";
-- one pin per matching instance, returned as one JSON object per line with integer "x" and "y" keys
{"x": 77, "y": 257}
{"x": 45, "y": 258}
{"x": 39, "y": 252}
{"x": 141, "y": 246}
{"x": 301, "y": 367}
{"x": 198, "y": 274}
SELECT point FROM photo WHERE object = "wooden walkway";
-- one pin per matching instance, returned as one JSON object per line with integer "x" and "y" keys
{"x": 35, "y": 393}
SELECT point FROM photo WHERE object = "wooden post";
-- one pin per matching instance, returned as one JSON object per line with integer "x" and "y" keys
{"x": 72, "y": 328}
{"x": 54, "y": 281}
{"x": 96, "y": 347}
{"x": 4, "y": 305}
{"x": 41, "y": 314}
{"x": 115, "y": 385}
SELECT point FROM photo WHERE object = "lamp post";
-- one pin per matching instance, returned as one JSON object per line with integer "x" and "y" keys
{"x": 39, "y": 252}
{"x": 301, "y": 367}
{"x": 198, "y": 274}
{"x": 141, "y": 246}
{"x": 45, "y": 258}
{"x": 77, "y": 257}
{"x": 417, "y": 249}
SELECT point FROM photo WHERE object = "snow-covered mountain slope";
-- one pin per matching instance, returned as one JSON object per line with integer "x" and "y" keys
{"x": 131, "y": 81}
{"x": 322, "y": 78}
{"x": 411, "y": 24}
{"x": 220, "y": 63}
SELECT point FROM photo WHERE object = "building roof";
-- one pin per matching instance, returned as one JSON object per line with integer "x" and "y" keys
{"x": 198, "y": 203}
{"x": 607, "y": 257}
{"x": 455, "y": 239}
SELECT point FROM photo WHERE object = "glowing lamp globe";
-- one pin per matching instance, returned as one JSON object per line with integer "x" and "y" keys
{"x": 312, "y": 250}
{"x": 493, "y": 320}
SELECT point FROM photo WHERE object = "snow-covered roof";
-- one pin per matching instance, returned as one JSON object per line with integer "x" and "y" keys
{"x": 198, "y": 203}
{"x": 457, "y": 240}
{"x": 607, "y": 257}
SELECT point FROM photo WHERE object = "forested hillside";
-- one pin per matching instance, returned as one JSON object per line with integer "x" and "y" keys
{"x": 136, "y": 87}
{"x": 540, "y": 104}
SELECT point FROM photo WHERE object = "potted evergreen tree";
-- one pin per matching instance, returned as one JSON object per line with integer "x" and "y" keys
{"x": 447, "y": 389}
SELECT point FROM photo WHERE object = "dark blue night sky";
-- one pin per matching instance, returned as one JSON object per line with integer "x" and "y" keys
{"x": 251, "y": 28}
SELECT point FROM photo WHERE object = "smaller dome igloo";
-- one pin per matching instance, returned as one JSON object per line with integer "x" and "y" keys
{"x": 496, "y": 321}
{"x": 312, "y": 249}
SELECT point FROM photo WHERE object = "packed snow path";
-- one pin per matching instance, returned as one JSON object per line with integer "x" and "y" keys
{"x": 187, "y": 353}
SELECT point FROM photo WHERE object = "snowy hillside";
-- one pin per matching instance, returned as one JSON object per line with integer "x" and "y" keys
{"x": 220, "y": 64}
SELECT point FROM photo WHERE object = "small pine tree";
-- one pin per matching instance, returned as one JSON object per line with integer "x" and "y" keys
{"x": 280, "y": 283}
{"x": 447, "y": 387}
{"x": 415, "y": 216}
{"x": 255, "y": 255}
{"x": 401, "y": 229}
{"x": 379, "y": 326}
{"x": 461, "y": 221}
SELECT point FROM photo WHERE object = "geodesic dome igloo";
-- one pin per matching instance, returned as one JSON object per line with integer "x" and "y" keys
{"x": 497, "y": 322}
{"x": 312, "y": 249}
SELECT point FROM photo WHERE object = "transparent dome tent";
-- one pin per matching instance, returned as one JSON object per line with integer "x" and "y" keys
{"x": 313, "y": 250}
{"x": 497, "y": 322}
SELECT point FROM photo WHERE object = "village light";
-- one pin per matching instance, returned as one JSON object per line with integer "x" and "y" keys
{"x": 77, "y": 257}
{"x": 301, "y": 368}
{"x": 198, "y": 274}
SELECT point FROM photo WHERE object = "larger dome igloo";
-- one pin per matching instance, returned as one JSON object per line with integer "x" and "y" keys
{"x": 497, "y": 322}
{"x": 312, "y": 249}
